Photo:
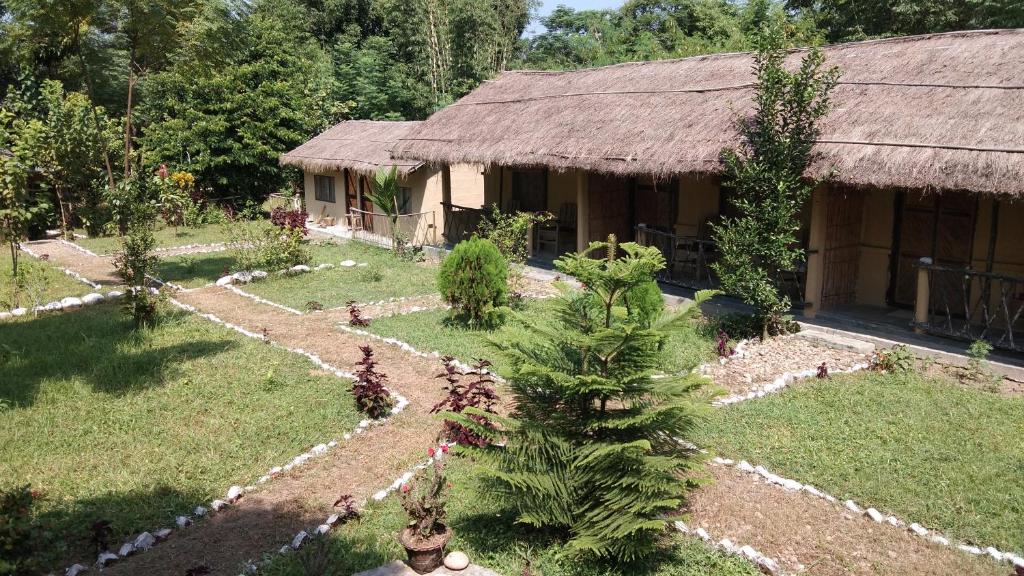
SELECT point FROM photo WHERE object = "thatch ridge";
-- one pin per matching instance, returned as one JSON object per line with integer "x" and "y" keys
{"x": 936, "y": 111}
{"x": 363, "y": 146}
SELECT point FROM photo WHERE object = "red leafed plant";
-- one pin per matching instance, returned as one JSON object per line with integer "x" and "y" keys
{"x": 289, "y": 219}
{"x": 823, "y": 371}
{"x": 479, "y": 394}
{"x": 371, "y": 393}
{"x": 349, "y": 509}
{"x": 355, "y": 315}
{"x": 724, "y": 350}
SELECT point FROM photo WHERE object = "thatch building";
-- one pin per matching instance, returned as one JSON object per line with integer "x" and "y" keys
{"x": 924, "y": 142}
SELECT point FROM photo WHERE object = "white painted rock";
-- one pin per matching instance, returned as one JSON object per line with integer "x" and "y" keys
{"x": 5, "y": 315}
{"x": 259, "y": 275}
{"x": 242, "y": 277}
{"x": 106, "y": 558}
{"x": 144, "y": 541}
{"x": 970, "y": 549}
{"x": 114, "y": 294}
{"x": 94, "y": 298}
{"x": 702, "y": 534}
{"x": 162, "y": 534}
{"x": 199, "y": 511}
{"x": 218, "y": 505}
{"x": 875, "y": 515}
{"x": 918, "y": 529}
{"x": 745, "y": 466}
{"x": 234, "y": 493}
{"x": 361, "y": 264}
{"x": 19, "y": 312}
{"x": 299, "y": 539}
{"x": 456, "y": 561}
{"x": 299, "y": 269}
{"x": 72, "y": 302}
{"x": 852, "y": 507}
{"x": 995, "y": 554}
{"x": 76, "y": 570}
{"x": 323, "y": 529}
{"x": 182, "y": 521}
{"x": 324, "y": 266}
{"x": 347, "y": 263}
{"x": 126, "y": 549}
{"x": 225, "y": 280}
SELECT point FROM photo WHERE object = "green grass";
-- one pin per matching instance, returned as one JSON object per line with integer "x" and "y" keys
{"x": 485, "y": 530}
{"x": 433, "y": 330}
{"x": 926, "y": 450}
{"x": 138, "y": 427}
{"x": 167, "y": 237}
{"x": 385, "y": 276}
{"x": 53, "y": 283}
{"x": 194, "y": 270}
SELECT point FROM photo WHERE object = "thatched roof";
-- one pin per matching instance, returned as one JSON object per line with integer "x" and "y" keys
{"x": 359, "y": 145}
{"x": 941, "y": 111}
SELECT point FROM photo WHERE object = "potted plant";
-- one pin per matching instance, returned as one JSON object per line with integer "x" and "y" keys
{"x": 425, "y": 537}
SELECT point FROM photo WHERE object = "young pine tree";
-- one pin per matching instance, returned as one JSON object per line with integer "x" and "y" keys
{"x": 596, "y": 444}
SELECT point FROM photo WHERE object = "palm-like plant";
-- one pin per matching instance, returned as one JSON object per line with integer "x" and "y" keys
{"x": 384, "y": 194}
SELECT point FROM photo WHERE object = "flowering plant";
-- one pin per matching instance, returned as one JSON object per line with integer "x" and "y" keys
{"x": 424, "y": 498}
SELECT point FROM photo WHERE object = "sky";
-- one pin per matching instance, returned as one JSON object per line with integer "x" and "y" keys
{"x": 548, "y": 5}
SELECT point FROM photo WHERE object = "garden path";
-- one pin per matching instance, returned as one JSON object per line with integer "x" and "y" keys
{"x": 267, "y": 519}
{"x": 99, "y": 269}
{"x": 810, "y": 535}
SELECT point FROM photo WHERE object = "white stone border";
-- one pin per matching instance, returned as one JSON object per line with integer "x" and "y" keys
{"x": 748, "y": 552}
{"x": 65, "y": 304}
{"x": 406, "y": 347}
{"x": 188, "y": 249}
{"x": 931, "y": 535}
{"x": 781, "y": 382}
{"x": 81, "y": 249}
{"x": 67, "y": 271}
{"x": 147, "y": 540}
{"x": 261, "y": 300}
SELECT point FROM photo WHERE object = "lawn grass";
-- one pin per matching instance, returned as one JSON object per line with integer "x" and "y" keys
{"x": 926, "y": 450}
{"x": 167, "y": 237}
{"x": 138, "y": 427}
{"x": 53, "y": 283}
{"x": 485, "y": 530}
{"x": 434, "y": 331}
{"x": 385, "y": 276}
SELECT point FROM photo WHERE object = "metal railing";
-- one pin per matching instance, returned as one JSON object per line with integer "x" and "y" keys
{"x": 460, "y": 222}
{"x": 970, "y": 305}
{"x": 417, "y": 229}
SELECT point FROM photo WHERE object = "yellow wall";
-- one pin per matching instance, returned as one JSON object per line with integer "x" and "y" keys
{"x": 875, "y": 246}
{"x": 467, "y": 183}
{"x": 698, "y": 201}
{"x": 315, "y": 208}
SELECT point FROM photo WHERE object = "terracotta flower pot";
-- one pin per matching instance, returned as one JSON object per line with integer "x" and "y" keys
{"x": 425, "y": 555}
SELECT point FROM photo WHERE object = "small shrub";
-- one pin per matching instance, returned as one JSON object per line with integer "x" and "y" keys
{"x": 473, "y": 279}
{"x": 371, "y": 273}
{"x": 510, "y": 234}
{"x": 268, "y": 248}
{"x": 19, "y": 532}
{"x": 314, "y": 306}
{"x": 370, "y": 391}
{"x": 722, "y": 345}
{"x": 738, "y": 326}
{"x": 977, "y": 359}
{"x": 355, "y": 315}
{"x": 286, "y": 219}
{"x": 136, "y": 264}
{"x": 424, "y": 502}
{"x": 895, "y": 360}
{"x": 645, "y": 303}
{"x": 349, "y": 509}
{"x": 822, "y": 371}
{"x": 478, "y": 394}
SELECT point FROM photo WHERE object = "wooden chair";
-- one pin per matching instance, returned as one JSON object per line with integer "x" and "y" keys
{"x": 551, "y": 234}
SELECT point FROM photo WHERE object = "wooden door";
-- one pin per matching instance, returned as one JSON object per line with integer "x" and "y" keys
{"x": 351, "y": 195}
{"x": 940, "y": 227}
{"x": 609, "y": 199}
{"x": 844, "y": 216}
{"x": 656, "y": 205}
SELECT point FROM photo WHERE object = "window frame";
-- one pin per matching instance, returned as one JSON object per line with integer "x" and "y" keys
{"x": 331, "y": 196}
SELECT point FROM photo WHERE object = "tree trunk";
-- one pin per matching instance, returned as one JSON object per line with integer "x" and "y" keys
{"x": 92, "y": 106}
{"x": 64, "y": 213}
{"x": 128, "y": 124}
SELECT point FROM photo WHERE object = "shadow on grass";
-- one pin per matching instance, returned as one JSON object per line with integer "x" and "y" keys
{"x": 201, "y": 267}
{"x": 97, "y": 345}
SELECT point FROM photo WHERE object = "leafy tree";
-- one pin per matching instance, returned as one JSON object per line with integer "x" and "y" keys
{"x": 596, "y": 444}
{"x": 135, "y": 261}
{"x": 251, "y": 85}
{"x": 17, "y": 205}
{"x": 845, "y": 20}
{"x": 767, "y": 174}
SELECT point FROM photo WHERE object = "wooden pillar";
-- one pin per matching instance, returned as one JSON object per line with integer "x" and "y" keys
{"x": 582, "y": 212}
{"x": 923, "y": 296}
{"x": 816, "y": 252}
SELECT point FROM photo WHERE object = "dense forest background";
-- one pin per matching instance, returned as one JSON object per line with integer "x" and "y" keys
{"x": 96, "y": 92}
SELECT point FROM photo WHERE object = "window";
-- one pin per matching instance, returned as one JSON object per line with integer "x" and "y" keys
{"x": 530, "y": 191}
{"x": 324, "y": 186}
{"x": 405, "y": 200}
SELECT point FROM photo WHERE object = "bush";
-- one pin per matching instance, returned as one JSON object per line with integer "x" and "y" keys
{"x": 478, "y": 394}
{"x": 895, "y": 360}
{"x": 371, "y": 393}
{"x": 286, "y": 219}
{"x": 645, "y": 303}
{"x": 473, "y": 279}
{"x": 19, "y": 533}
{"x": 136, "y": 263}
{"x": 268, "y": 248}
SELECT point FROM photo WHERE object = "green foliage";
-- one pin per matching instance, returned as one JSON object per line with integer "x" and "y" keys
{"x": 767, "y": 175}
{"x": 16, "y": 204}
{"x": 473, "y": 279}
{"x": 424, "y": 499}
{"x": 977, "y": 359}
{"x": 136, "y": 264}
{"x": 510, "y": 233}
{"x": 895, "y": 360}
{"x": 644, "y": 303}
{"x": 384, "y": 195}
{"x": 595, "y": 447}
{"x": 19, "y": 532}
{"x": 267, "y": 247}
